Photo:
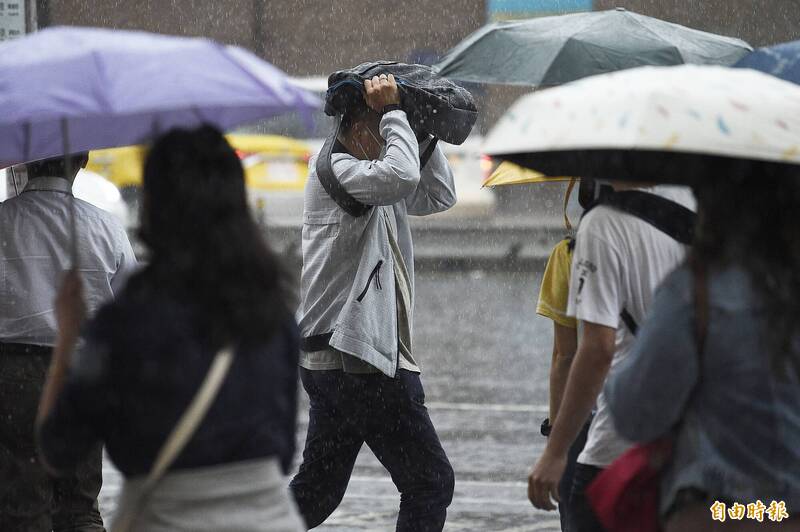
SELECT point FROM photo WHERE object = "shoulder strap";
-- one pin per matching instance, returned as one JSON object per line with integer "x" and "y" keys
{"x": 181, "y": 434}
{"x": 629, "y": 322}
{"x": 334, "y": 188}
{"x": 327, "y": 178}
{"x": 426, "y": 155}
{"x": 665, "y": 215}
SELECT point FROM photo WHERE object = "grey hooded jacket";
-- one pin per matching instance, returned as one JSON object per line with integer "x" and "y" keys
{"x": 347, "y": 284}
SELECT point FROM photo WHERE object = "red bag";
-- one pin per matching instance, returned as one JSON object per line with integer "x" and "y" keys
{"x": 625, "y": 495}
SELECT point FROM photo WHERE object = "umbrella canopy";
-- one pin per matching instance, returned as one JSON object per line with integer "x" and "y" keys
{"x": 508, "y": 173}
{"x": 109, "y": 88}
{"x": 781, "y": 60}
{"x": 559, "y": 49}
{"x": 667, "y": 124}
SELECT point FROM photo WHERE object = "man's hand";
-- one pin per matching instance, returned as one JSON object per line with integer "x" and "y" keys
{"x": 381, "y": 91}
{"x": 544, "y": 479}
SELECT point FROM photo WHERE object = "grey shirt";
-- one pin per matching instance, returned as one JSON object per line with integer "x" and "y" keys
{"x": 345, "y": 285}
{"x": 35, "y": 253}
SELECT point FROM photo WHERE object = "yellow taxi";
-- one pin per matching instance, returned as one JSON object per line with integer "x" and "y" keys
{"x": 271, "y": 162}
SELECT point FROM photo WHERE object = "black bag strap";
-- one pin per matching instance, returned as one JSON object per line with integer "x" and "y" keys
{"x": 334, "y": 188}
{"x": 426, "y": 155}
{"x": 629, "y": 322}
{"x": 700, "y": 308}
{"x": 317, "y": 342}
{"x": 665, "y": 215}
{"x": 669, "y": 217}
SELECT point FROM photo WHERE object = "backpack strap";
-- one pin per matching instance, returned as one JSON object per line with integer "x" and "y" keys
{"x": 334, "y": 188}
{"x": 669, "y": 217}
{"x": 317, "y": 342}
{"x": 665, "y": 215}
{"x": 629, "y": 322}
{"x": 328, "y": 180}
{"x": 428, "y": 153}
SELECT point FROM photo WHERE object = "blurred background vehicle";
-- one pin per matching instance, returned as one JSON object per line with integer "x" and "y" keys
{"x": 274, "y": 166}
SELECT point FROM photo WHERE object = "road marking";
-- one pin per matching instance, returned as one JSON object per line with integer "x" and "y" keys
{"x": 459, "y": 500}
{"x": 484, "y": 407}
{"x": 554, "y": 526}
{"x": 476, "y": 483}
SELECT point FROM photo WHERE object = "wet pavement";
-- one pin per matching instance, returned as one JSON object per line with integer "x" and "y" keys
{"x": 484, "y": 357}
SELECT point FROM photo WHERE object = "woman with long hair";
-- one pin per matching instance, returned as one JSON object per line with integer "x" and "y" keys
{"x": 211, "y": 283}
{"x": 717, "y": 365}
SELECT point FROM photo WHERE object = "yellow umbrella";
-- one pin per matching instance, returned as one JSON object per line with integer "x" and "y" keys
{"x": 508, "y": 173}
{"x": 511, "y": 174}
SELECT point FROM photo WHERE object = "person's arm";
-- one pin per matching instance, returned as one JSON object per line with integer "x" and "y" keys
{"x": 565, "y": 343}
{"x": 552, "y": 304}
{"x": 594, "y": 299}
{"x": 75, "y": 395}
{"x": 436, "y": 191}
{"x": 390, "y": 179}
{"x": 586, "y": 377}
{"x": 644, "y": 405}
{"x": 70, "y": 313}
{"x": 395, "y": 176}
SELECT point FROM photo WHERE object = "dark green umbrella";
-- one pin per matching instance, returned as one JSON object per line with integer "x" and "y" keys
{"x": 559, "y": 49}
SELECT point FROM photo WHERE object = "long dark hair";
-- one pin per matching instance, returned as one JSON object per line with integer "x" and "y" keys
{"x": 206, "y": 249}
{"x": 753, "y": 223}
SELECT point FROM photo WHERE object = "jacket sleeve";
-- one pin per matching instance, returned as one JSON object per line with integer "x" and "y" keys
{"x": 390, "y": 179}
{"x": 648, "y": 391}
{"x": 436, "y": 191}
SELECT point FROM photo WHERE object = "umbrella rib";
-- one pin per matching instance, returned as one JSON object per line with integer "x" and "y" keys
{"x": 101, "y": 71}
{"x": 26, "y": 131}
{"x": 455, "y": 51}
{"x": 198, "y": 113}
{"x": 653, "y": 32}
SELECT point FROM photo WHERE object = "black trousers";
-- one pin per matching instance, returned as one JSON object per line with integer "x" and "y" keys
{"x": 565, "y": 486}
{"x": 580, "y": 516}
{"x": 389, "y": 415}
{"x": 30, "y": 499}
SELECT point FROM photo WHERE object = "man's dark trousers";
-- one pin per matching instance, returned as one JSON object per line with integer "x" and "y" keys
{"x": 30, "y": 499}
{"x": 565, "y": 486}
{"x": 388, "y": 414}
{"x": 580, "y": 515}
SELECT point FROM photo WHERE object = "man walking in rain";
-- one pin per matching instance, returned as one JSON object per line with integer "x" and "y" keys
{"x": 618, "y": 262}
{"x": 358, "y": 365}
{"x": 35, "y": 251}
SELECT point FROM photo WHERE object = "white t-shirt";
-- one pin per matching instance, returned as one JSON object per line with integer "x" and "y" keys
{"x": 618, "y": 263}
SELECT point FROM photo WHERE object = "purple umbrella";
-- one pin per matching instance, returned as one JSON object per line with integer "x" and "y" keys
{"x": 76, "y": 89}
